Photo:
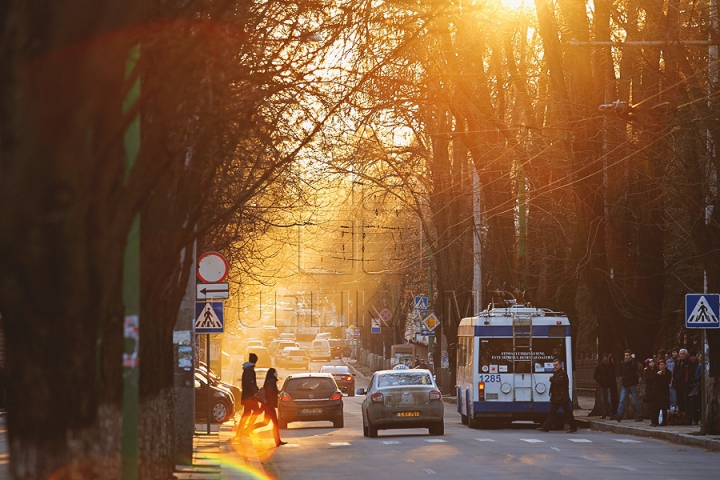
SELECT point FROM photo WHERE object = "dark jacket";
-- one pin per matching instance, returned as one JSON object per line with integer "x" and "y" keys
{"x": 650, "y": 377}
{"x": 629, "y": 372}
{"x": 684, "y": 374}
{"x": 271, "y": 392}
{"x": 559, "y": 387}
{"x": 249, "y": 382}
{"x": 605, "y": 375}
{"x": 661, "y": 389}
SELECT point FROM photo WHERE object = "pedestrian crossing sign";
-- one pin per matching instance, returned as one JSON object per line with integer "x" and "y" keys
{"x": 702, "y": 310}
{"x": 209, "y": 317}
{"x": 421, "y": 303}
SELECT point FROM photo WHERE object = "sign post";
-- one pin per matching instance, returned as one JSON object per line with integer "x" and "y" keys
{"x": 702, "y": 310}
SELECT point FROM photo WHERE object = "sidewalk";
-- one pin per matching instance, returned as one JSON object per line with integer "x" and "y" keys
{"x": 219, "y": 456}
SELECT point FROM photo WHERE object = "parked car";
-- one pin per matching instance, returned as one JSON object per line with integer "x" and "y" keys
{"x": 344, "y": 379}
{"x": 216, "y": 382}
{"x": 295, "y": 357}
{"x": 222, "y": 407}
{"x": 402, "y": 399}
{"x": 320, "y": 350}
{"x": 310, "y": 397}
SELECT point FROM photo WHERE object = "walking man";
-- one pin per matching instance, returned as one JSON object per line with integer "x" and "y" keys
{"x": 629, "y": 368}
{"x": 559, "y": 398}
{"x": 251, "y": 407}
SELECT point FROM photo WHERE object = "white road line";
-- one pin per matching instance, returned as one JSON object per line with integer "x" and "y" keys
{"x": 391, "y": 442}
{"x": 580, "y": 440}
{"x": 626, "y": 440}
{"x": 435, "y": 440}
{"x": 555, "y": 448}
{"x": 409, "y": 460}
{"x": 484, "y": 439}
{"x": 628, "y": 468}
{"x": 427, "y": 470}
{"x": 339, "y": 444}
{"x": 532, "y": 440}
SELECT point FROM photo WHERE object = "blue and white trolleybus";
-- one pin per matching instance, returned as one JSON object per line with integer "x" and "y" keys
{"x": 504, "y": 363}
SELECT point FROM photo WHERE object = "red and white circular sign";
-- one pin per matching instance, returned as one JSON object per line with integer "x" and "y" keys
{"x": 212, "y": 267}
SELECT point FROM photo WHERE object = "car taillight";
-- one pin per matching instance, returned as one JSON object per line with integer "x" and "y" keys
{"x": 336, "y": 396}
{"x": 481, "y": 391}
{"x": 377, "y": 397}
{"x": 435, "y": 395}
{"x": 347, "y": 378}
{"x": 285, "y": 397}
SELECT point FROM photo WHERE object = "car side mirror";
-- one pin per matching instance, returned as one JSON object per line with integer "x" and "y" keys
{"x": 361, "y": 391}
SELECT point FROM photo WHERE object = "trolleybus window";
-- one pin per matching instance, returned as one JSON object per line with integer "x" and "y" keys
{"x": 497, "y": 355}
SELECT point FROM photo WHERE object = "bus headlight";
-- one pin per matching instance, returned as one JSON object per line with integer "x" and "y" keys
{"x": 540, "y": 388}
{"x": 506, "y": 388}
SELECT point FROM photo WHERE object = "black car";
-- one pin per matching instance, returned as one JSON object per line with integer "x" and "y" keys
{"x": 336, "y": 347}
{"x": 216, "y": 382}
{"x": 222, "y": 407}
{"x": 310, "y": 397}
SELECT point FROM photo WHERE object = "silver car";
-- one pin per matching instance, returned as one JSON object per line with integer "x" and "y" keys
{"x": 402, "y": 399}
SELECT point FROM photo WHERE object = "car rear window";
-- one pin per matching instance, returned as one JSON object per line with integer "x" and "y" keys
{"x": 410, "y": 378}
{"x": 311, "y": 384}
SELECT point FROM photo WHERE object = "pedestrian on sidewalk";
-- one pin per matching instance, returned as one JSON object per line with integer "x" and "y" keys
{"x": 251, "y": 406}
{"x": 649, "y": 378}
{"x": 605, "y": 378}
{"x": 661, "y": 395}
{"x": 629, "y": 372}
{"x": 271, "y": 402}
{"x": 694, "y": 377}
{"x": 671, "y": 361}
{"x": 559, "y": 398}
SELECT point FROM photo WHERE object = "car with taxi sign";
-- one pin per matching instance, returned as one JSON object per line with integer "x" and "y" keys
{"x": 402, "y": 399}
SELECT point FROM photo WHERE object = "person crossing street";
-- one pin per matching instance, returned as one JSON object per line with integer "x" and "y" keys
{"x": 559, "y": 398}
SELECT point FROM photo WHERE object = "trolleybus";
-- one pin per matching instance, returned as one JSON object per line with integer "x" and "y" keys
{"x": 504, "y": 364}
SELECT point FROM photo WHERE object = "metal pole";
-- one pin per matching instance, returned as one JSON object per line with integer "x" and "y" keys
{"x": 207, "y": 359}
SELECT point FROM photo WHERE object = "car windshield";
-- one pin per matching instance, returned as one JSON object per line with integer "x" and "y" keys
{"x": 409, "y": 378}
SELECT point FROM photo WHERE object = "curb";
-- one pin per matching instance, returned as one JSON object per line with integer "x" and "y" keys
{"x": 702, "y": 441}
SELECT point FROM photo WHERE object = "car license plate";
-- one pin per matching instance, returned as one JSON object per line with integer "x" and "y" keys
{"x": 408, "y": 414}
{"x": 312, "y": 410}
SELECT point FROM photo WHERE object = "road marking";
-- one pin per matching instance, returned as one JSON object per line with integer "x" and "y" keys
{"x": 427, "y": 470}
{"x": 409, "y": 460}
{"x": 580, "y": 440}
{"x": 532, "y": 440}
{"x": 626, "y": 440}
{"x": 555, "y": 448}
{"x": 484, "y": 439}
{"x": 339, "y": 444}
{"x": 628, "y": 468}
{"x": 435, "y": 440}
{"x": 391, "y": 442}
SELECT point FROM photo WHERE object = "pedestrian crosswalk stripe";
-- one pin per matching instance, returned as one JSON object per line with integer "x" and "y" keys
{"x": 580, "y": 440}
{"x": 391, "y": 442}
{"x": 626, "y": 440}
{"x": 484, "y": 439}
{"x": 339, "y": 444}
{"x": 532, "y": 440}
{"x": 436, "y": 440}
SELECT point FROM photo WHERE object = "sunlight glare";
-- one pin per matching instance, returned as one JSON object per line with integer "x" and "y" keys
{"x": 517, "y": 4}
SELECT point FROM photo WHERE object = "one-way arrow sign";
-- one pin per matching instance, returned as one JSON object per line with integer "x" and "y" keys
{"x": 207, "y": 291}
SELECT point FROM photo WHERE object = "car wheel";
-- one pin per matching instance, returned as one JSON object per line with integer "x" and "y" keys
{"x": 464, "y": 419}
{"x": 339, "y": 423}
{"x": 372, "y": 430}
{"x": 437, "y": 429}
{"x": 220, "y": 412}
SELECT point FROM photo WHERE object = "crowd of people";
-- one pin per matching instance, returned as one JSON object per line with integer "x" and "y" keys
{"x": 671, "y": 381}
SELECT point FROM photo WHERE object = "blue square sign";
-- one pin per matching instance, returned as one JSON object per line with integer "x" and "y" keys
{"x": 702, "y": 310}
{"x": 209, "y": 317}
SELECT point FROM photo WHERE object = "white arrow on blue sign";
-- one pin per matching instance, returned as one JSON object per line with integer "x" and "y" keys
{"x": 702, "y": 310}
{"x": 209, "y": 317}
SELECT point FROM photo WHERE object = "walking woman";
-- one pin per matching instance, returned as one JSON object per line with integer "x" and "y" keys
{"x": 271, "y": 402}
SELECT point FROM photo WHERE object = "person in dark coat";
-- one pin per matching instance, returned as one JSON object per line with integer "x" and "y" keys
{"x": 605, "y": 378}
{"x": 649, "y": 378}
{"x": 271, "y": 402}
{"x": 559, "y": 398}
{"x": 661, "y": 395}
{"x": 251, "y": 406}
